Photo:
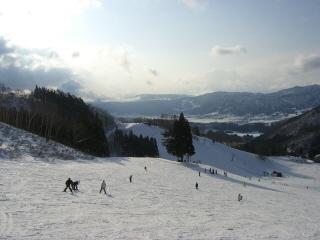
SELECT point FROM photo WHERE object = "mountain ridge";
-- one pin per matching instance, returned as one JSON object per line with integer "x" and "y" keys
{"x": 286, "y": 101}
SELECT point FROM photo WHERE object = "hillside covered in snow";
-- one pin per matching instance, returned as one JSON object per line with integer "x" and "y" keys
{"x": 160, "y": 203}
{"x": 216, "y": 154}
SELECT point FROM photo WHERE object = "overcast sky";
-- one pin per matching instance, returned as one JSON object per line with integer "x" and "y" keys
{"x": 118, "y": 48}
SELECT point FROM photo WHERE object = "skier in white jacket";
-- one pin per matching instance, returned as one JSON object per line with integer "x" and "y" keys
{"x": 103, "y": 187}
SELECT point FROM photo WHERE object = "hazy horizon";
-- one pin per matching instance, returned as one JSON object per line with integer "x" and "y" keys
{"x": 121, "y": 48}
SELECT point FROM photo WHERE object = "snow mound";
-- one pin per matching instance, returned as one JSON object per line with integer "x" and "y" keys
{"x": 16, "y": 143}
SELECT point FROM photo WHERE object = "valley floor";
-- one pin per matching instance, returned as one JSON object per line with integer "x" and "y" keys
{"x": 161, "y": 203}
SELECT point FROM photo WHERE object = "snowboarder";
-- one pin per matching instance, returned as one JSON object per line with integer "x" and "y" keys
{"x": 130, "y": 178}
{"x": 68, "y": 183}
{"x": 240, "y": 197}
{"x": 103, "y": 187}
{"x": 197, "y": 185}
{"x": 74, "y": 185}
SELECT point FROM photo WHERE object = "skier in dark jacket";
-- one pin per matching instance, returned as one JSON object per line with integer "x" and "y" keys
{"x": 74, "y": 185}
{"x": 197, "y": 185}
{"x": 68, "y": 184}
{"x": 130, "y": 178}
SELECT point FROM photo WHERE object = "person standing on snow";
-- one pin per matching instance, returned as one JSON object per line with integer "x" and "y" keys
{"x": 145, "y": 168}
{"x": 130, "y": 178}
{"x": 197, "y": 185}
{"x": 103, "y": 187}
{"x": 68, "y": 184}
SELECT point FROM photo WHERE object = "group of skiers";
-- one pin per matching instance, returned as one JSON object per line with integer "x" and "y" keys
{"x": 73, "y": 186}
{"x": 211, "y": 171}
{"x": 215, "y": 171}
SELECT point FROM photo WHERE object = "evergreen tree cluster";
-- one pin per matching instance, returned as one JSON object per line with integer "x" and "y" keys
{"x": 130, "y": 145}
{"x": 178, "y": 139}
{"x": 62, "y": 117}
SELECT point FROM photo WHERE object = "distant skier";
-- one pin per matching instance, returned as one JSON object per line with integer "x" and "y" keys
{"x": 240, "y": 197}
{"x": 130, "y": 178}
{"x": 205, "y": 170}
{"x": 197, "y": 185}
{"x": 103, "y": 187}
{"x": 68, "y": 184}
{"x": 145, "y": 168}
{"x": 216, "y": 171}
{"x": 199, "y": 173}
{"x": 213, "y": 171}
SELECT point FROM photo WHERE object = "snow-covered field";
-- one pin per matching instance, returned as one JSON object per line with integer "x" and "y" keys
{"x": 162, "y": 202}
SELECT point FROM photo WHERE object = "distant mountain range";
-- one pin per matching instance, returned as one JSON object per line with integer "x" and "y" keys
{"x": 286, "y": 101}
{"x": 298, "y": 136}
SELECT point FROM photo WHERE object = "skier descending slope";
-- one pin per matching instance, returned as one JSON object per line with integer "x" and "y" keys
{"x": 130, "y": 178}
{"x": 197, "y": 185}
{"x": 68, "y": 184}
{"x": 103, "y": 187}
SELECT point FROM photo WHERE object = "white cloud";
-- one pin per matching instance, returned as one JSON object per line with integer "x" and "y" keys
{"x": 41, "y": 23}
{"x": 218, "y": 51}
{"x": 24, "y": 68}
{"x": 75, "y": 54}
{"x": 4, "y": 49}
{"x": 307, "y": 63}
{"x": 153, "y": 72}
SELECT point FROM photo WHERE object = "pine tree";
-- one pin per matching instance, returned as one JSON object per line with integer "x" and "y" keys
{"x": 178, "y": 139}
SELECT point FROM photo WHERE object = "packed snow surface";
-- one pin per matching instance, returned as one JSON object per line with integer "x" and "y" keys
{"x": 160, "y": 203}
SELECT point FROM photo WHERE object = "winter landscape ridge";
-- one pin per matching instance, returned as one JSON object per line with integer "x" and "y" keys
{"x": 162, "y": 202}
{"x": 159, "y": 120}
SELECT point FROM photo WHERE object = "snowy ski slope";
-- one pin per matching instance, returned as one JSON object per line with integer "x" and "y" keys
{"x": 216, "y": 154}
{"x": 161, "y": 203}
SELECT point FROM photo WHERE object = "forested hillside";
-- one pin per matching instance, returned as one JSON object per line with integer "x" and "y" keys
{"x": 59, "y": 116}
{"x": 296, "y": 136}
